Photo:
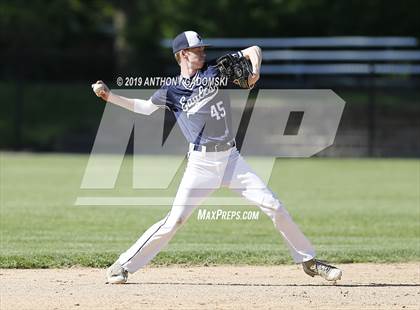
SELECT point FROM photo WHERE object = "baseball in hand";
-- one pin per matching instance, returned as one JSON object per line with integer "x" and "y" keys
{"x": 100, "y": 89}
{"x": 97, "y": 88}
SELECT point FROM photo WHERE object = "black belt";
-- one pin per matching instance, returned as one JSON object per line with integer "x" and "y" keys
{"x": 215, "y": 147}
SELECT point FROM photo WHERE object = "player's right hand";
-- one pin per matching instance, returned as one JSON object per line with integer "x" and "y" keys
{"x": 101, "y": 90}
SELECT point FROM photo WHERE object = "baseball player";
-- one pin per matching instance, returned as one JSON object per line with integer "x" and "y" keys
{"x": 203, "y": 115}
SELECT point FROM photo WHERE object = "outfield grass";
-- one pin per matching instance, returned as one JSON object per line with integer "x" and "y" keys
{"x": 353, "y": 210}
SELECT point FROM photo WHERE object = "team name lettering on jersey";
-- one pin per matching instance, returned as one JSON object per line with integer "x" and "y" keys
{"x": 195, "y": 103}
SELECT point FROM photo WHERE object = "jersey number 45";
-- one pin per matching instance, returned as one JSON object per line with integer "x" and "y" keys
{"x": 217, "y": 110}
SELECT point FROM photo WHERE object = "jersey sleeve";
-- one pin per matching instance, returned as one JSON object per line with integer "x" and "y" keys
{"x": 161, "y": 98}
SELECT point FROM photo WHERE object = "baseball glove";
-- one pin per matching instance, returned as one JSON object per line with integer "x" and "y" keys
{"x": 236, "y": 69}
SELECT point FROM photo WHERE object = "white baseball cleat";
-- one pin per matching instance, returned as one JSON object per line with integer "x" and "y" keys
{"x": 116, "y": 274}
{"x": 315, "y": 267}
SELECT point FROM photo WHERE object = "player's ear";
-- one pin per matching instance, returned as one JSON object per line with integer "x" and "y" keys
{"x": 184, "y": 54}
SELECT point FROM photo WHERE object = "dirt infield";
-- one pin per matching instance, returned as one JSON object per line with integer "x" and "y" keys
{"x": 364, "y": 286}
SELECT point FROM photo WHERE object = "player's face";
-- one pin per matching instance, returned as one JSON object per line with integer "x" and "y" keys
{"x": 196, "y": 57}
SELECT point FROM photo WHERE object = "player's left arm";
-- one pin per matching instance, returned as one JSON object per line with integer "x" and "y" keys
{"x": 254, "y": 54}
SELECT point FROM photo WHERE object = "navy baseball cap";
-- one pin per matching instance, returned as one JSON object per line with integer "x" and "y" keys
{"x": 187, "y": 39}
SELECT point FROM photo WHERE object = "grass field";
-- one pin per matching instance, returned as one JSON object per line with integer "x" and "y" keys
{"x": 352, "y": 210}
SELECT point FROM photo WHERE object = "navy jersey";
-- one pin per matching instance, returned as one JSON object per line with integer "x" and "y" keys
{"x": 200, "y": 104}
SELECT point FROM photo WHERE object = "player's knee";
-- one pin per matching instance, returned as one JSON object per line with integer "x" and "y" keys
{"x": 171, "y": 225}
{"x": 275, "y": 206}
{"x": 177, "y": 222}
{"x": 271, "y": 202}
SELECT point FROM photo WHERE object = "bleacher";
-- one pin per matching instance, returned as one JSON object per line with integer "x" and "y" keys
{"x": 328, "y": 55}
{"x": 369, "y": 70}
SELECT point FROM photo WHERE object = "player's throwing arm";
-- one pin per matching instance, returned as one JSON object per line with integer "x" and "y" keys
{"x": 135, "y": 105}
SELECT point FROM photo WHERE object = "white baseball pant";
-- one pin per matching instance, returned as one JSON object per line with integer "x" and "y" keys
{"x": 205, "y": 172}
